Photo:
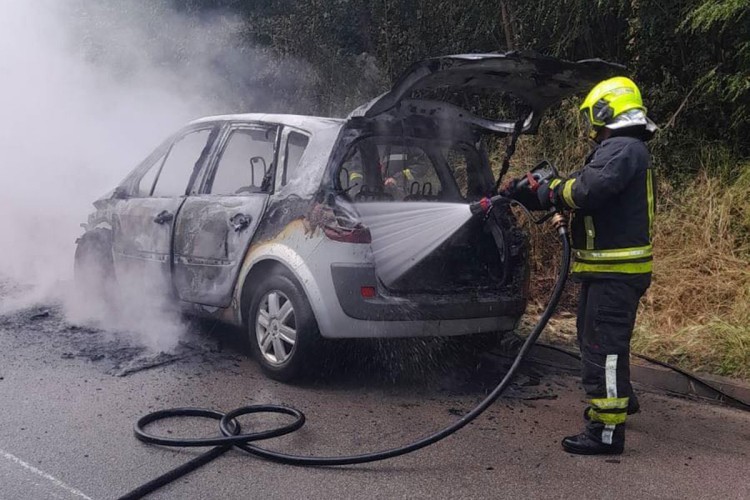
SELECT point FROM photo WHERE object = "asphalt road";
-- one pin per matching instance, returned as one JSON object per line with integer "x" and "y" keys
{"x": 70, "y": 396}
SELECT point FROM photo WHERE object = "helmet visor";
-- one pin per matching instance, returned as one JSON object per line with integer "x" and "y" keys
{"x": 586, "y": 127}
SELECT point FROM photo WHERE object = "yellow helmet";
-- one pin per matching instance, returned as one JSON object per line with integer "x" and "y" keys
{"x": 611, "y": 99}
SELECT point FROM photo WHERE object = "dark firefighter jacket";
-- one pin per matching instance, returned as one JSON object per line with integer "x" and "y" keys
{"x": 613, "y": 198}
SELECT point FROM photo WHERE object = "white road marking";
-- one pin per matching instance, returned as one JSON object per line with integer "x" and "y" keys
{"x": 43, "y": 474}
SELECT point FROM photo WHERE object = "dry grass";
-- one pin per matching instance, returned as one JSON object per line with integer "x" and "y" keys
{"x": 697, "y": 312}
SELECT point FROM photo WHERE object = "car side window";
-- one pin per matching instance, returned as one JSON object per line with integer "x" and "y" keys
{"x": 182, "y": 159}
{"x": 464, "y": 164}
{"x": 295, "y": 148}
{"x": 408, "y": 173}
{"x": 352, "y": 173}
{"x": 246, "y": 163}
{"x": 458, "y": 165}
{"x": 146, "y": 184}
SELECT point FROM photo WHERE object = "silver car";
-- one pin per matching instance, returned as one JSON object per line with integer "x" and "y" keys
{"x": 252, "y": 218}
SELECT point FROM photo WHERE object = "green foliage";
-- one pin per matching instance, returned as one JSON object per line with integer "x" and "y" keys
{"x": 712, "y": 13}
{"x": 690, "y": 57}
{"x": 729, "y": 81}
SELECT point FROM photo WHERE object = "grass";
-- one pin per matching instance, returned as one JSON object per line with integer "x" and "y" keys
{"x": 697, "y": 312}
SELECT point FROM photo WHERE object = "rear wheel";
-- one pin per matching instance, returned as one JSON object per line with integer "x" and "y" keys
{"x": 283, "y": 332}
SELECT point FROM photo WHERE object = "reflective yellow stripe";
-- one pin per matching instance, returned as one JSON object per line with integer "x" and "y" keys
{"x": 408, "y": 175}
{"x": 554, "y": 183}
{"x": 609, "y": 403}
{"x": 623, "y": 268}
{"x": 650, "y": 195}
{"x": 615, "y": 254}
{"x": 608, "y": 418}
{"x": 588, "y": 221}
{"x": 567, "y": 193}
{"x": 354, "y": 176}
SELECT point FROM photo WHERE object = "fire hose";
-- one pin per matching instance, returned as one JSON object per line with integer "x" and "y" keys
{"x": 232, "y": 435}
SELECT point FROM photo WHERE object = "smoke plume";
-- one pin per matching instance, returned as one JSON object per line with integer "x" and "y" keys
{"x": 88, "y": 89}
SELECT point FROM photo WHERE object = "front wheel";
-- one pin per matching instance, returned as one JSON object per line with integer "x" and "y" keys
{"x": 94, "y": 272}
{"x": 283, "y": 332}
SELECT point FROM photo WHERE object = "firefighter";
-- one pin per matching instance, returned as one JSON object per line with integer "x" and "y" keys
{"x": 401, "y": 170}
{"x": 613, "y": 201}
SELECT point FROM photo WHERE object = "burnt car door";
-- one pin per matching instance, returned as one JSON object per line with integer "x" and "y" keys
{"x": 216, "y": 224}
{"x": 143, "y": 221}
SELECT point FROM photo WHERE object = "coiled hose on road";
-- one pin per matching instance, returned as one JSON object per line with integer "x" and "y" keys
{"x": 232, "y": 435}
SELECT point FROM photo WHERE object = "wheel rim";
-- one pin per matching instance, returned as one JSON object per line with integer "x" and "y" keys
{"x": 276, "y": 327}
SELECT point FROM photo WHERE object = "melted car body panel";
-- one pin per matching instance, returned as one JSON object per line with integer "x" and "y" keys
{"x": 211, "y": 237}
{"x": 142, "y": 243}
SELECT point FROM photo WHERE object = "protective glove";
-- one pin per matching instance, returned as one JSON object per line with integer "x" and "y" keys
{"x": 548, "y": 194}
{"x": 522, "y": 192}
{"x": 544, "y": 195}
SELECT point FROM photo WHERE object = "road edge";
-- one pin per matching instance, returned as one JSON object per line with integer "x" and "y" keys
{"x": 649, "y": 376}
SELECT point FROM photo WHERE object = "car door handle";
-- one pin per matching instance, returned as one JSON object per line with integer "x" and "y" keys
{"x": 163, "y": 217}
{"x": 240, "y": 222}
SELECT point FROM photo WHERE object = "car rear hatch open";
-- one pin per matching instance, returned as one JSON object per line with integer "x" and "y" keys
{"x": 536, "y": 80}
{"x": 403, "y": 139}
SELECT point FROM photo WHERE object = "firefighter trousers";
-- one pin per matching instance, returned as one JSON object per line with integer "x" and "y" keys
{"x": 606, "y": 316}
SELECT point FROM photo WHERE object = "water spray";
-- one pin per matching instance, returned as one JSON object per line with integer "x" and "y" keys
{"x": 232, "y": 435}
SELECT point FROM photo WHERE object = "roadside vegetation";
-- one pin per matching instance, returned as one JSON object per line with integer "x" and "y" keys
{"x": 690, "y": 57}
{"x": 697, "y": 313}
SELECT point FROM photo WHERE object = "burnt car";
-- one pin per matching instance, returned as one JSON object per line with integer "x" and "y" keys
{"x": 252, "y": 218}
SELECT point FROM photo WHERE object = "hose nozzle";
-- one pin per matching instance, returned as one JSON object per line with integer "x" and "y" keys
{"x": 483, "y": 206}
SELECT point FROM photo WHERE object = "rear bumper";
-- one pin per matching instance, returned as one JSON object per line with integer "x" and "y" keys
{"x": 348, "y": 279}
{"x": 346, "y": 327}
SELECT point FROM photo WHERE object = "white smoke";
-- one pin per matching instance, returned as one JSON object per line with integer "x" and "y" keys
{"x": 87, "y": 89}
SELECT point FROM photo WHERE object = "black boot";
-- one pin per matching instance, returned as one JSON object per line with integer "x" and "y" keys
{"x": 582, "y": 444}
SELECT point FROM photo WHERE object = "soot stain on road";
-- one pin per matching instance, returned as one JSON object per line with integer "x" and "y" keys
{"x": 117, "y": 355}
{"x": 438, "y": 366}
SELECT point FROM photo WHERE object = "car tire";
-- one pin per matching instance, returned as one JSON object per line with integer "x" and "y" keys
{"x": 93, "y": 267}
{"x": 282, "y": 330}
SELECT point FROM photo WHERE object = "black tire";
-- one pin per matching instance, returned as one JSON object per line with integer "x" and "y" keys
{"x": 94, "y": 270}
{"x": 295, "y": 359}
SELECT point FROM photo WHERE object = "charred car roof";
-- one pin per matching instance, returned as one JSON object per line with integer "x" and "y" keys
{"x": 308, "y": 123}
